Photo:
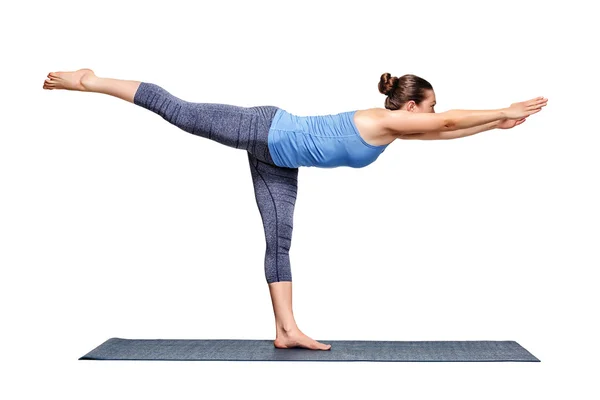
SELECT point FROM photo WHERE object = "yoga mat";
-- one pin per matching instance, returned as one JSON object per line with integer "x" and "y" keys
{"x": 341, "y": 350}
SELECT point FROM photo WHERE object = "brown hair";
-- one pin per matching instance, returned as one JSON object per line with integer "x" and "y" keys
{"x": 401, "y": 90}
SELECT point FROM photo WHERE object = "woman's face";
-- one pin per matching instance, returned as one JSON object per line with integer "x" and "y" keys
{"x": 426, "y": 106}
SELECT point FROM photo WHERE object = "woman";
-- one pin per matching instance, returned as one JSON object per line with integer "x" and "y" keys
{"x": 278, "y": 143}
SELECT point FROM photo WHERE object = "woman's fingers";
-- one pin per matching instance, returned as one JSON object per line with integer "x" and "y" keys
{"x": 537, "y": 100}
{"x": 536, "y": 104}
{"x": 534, "y": 107}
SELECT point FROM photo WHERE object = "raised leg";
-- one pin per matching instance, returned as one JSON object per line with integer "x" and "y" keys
{"x": 243, "y": 128}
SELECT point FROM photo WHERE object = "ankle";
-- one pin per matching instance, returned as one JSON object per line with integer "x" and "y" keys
{"x": 287, "y": 328}
{"x": 88, "y": 81}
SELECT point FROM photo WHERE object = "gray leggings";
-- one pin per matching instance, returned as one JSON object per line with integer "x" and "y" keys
{"x": 243, "y": 128}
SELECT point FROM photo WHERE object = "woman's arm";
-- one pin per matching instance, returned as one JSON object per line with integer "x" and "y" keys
{"x": 400, "y": 122}
{"x": 459, "y": 133}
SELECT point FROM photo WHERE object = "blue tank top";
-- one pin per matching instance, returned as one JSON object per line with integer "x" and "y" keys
{"x": 325, "y": 141}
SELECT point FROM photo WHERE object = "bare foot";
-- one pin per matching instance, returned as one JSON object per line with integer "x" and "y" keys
{"x": 74, "y": 80}
{"x": 296, "y": 338}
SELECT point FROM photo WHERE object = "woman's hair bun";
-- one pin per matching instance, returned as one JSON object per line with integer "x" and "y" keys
{"x": 387, "y": 83}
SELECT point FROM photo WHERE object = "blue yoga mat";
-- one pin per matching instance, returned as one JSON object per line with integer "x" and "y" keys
{"x": 341, "y": 350}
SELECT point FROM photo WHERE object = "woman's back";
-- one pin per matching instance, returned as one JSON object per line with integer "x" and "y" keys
{"x": 325, "y": 141}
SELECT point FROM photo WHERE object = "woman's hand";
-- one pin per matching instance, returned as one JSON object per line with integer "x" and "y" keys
{"x": 525, "y": 108}
{"x": 509, "y": 123}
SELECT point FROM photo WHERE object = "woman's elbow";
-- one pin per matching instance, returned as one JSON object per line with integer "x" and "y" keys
{"x": 447, "y": 123}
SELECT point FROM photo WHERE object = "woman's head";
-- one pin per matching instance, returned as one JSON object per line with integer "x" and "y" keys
{"x": 409, "y": 93}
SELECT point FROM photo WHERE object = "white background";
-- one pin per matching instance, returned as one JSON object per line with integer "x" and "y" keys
{"x": 114, "y": 223}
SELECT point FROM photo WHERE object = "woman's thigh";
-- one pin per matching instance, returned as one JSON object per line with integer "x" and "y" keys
{"x": 275, "y": 189}
{"x": 244, "y": 128}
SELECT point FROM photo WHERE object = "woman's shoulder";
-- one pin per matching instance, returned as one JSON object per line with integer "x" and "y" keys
{"x": 373, "y": 112}
{"x": 370, "y": 124}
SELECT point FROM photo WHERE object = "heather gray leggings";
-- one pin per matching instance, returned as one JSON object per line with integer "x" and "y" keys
{"x": 243, "y": 128}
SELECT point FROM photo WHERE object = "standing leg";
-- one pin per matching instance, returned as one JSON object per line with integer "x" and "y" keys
{"x": 275, "y": 190}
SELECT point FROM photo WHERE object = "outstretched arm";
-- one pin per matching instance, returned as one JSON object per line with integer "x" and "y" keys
{"x": 459, "y": 133}
{"x": 456, "y": 123}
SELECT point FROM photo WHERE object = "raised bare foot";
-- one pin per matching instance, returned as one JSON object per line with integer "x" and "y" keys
{"x": 295, "y": 338}
{"x": 73, "y": 80}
